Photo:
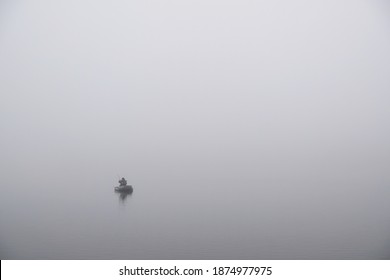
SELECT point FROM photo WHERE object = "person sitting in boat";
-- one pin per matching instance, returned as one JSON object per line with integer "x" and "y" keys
{"x": 122, "y": 182}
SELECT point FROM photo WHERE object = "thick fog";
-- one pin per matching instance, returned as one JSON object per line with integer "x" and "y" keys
{"x": 225, "y": 105}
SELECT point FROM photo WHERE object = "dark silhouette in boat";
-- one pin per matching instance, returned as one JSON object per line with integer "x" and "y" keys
{"x": 122, "y": 182}
{"x": 124, "y": 187}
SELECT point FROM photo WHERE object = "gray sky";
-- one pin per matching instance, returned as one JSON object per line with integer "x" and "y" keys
{"x": 111, "y": 80}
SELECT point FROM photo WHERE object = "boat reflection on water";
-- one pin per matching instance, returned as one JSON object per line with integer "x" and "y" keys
{"x": 124, "y": 192}
{"x": 123, "y": 196}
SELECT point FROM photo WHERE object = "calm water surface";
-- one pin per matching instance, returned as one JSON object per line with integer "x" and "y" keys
{"x": 189, "y": 210}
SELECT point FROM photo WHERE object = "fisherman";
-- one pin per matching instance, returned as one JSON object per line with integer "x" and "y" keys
{"x": 122, "y": 182}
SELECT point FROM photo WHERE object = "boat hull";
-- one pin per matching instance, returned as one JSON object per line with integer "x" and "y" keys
{"x": 124, "y": 189}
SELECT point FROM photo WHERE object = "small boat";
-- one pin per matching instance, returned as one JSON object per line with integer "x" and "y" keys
{"x": 124, "y": 189}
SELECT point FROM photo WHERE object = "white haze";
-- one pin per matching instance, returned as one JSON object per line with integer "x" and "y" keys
{"x": 260, "y": 123}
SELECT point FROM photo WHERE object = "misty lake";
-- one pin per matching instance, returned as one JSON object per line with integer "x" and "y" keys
{"x": 219, "y": 209}
{"x": 249, "y": 129}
